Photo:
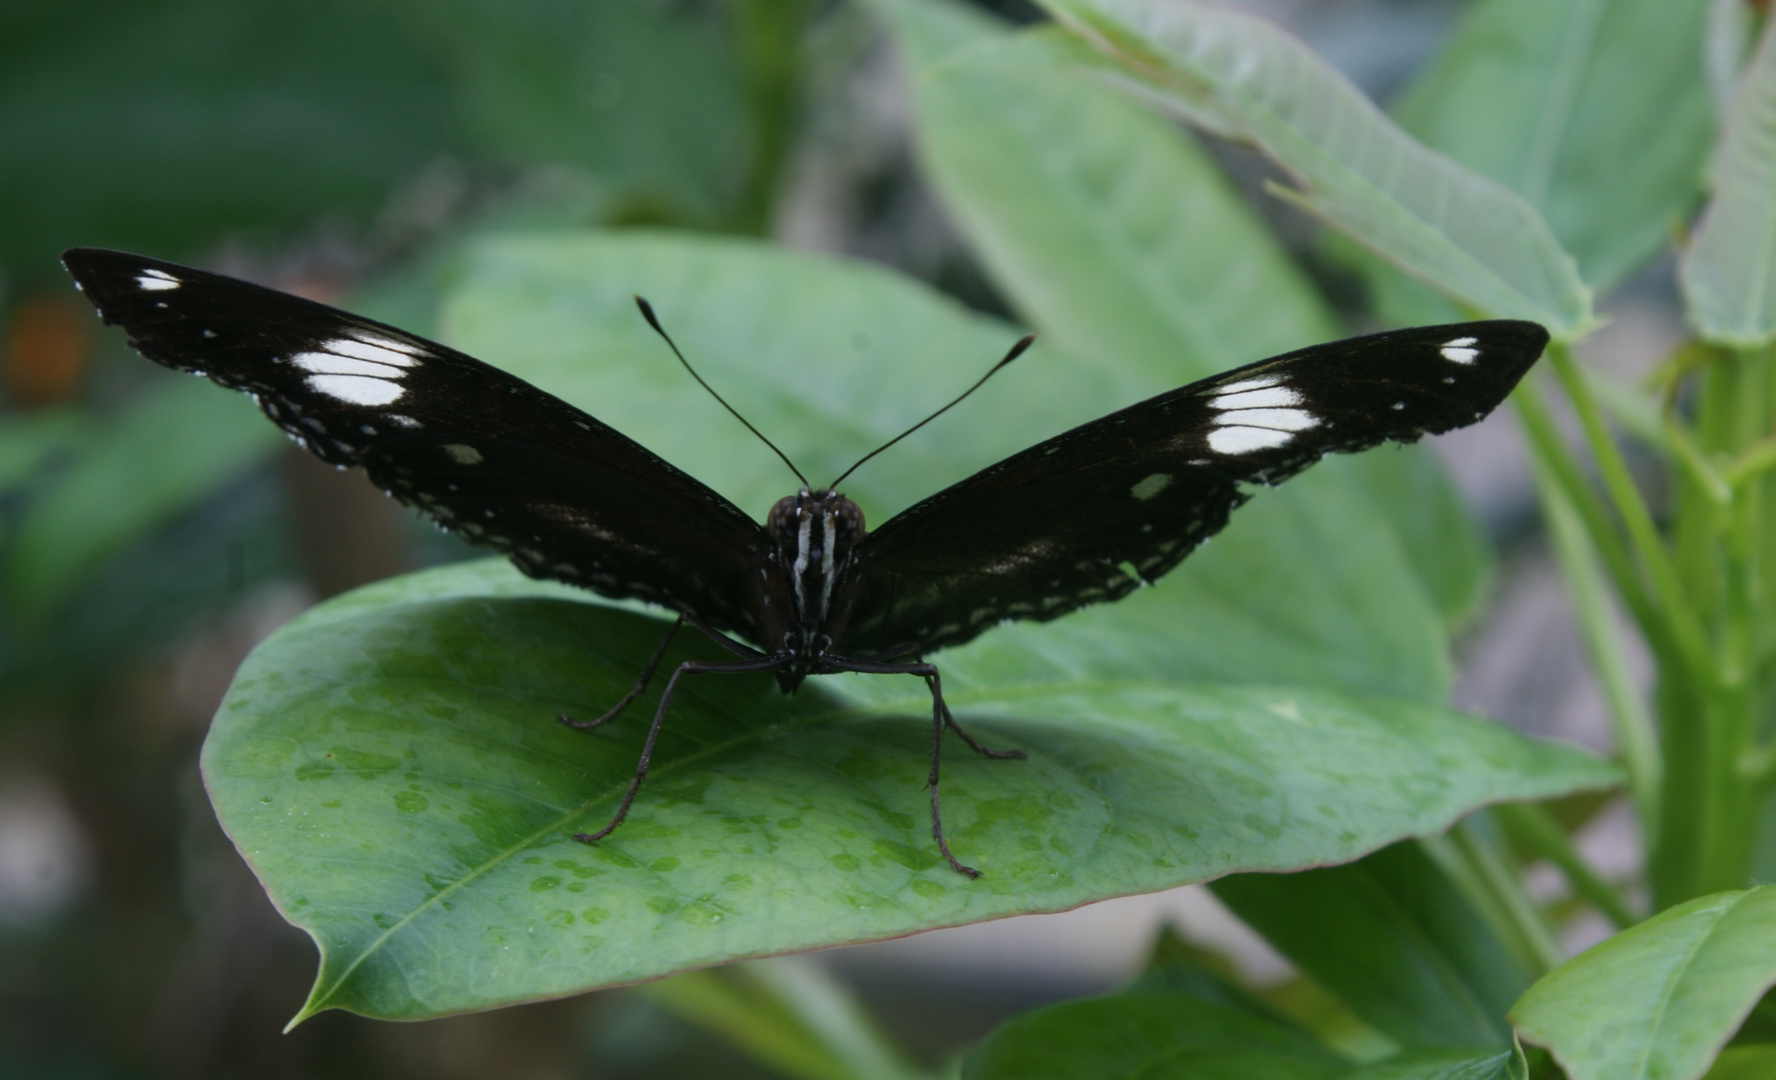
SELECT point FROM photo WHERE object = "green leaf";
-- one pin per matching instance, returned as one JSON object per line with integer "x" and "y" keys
{"x": 1595, "y": 111}
{"x": 170, "y": 450}
{"x": 1150, "y": 1035}
{"x": 1661, "y": 998}
{"x": 1122, "y": 243}
{"x": 1231, "y": 72}
{"x": 1392, "y": 937}
{"x": 831, "y": 358}
{"x": 390, "y": 766}
{"x": 1728, "y": 272}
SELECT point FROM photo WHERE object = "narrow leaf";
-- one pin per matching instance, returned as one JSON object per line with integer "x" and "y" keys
{"x": 1463, "y": 233}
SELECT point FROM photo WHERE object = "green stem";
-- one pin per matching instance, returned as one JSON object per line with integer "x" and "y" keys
{"x": 1536, "y": 829}
{"x": 1751, "y": 464}
{"x": 1547, "y": 449}
{"x": 1636, "y": 738}
{"x": 1497, "y": 895}
{"x": 1686, "y": 629}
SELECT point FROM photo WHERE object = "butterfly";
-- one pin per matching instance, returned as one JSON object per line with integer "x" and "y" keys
{"x": 1083, "y": 518}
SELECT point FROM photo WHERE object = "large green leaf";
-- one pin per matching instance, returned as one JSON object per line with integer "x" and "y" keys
{"x": 1122, "y": 243}
{"x": 171, "y": 449}
{"x": 390, "y": 766}
{"x": 1660, "y": 999}
{"x": 1394, "y": 939}
{"x": 830, "y": 358}
{"x": 1595, "y": 111}
{"x": 1728, "y": 271}
{"x": 1237, "y": 74}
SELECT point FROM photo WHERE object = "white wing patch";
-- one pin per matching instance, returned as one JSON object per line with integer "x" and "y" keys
{"x": 357, "y": 389}
{"x": 1244, "y": 440}
{"x": 1460, "y": 350}
{"x": 361, "y": 370}
{"x": 1257, "y": 414}
{"x": 152, "y": 280}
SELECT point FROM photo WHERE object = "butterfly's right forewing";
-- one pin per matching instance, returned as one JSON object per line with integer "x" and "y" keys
{"x": 488, "y": 456}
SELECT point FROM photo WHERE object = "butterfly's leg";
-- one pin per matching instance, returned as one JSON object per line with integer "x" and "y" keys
{"x": 647, "y": 673}
{"x": 913, "y": 651}
{"x": 689, "y": 667}
{"x": 996, "y": 755}
{"x": 940, "y": 714}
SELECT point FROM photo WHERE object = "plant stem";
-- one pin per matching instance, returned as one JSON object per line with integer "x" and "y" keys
{"x": 1536, "y": 829}
{"x": 1547, "y": 449}
{"x": 1685, "y": 628}
{"x": 1636, "y": 739}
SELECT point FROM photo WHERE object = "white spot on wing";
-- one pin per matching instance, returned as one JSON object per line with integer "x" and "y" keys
{"x": 464, "y": 455}
{"x": 1459, "y": 351}
{"x": 401, "y": 420}
{"x": 356, "y": 389}
{"x": 1236, "y": 439}
{"x": 1263, "y": 397}
{"x": 1151, "y": 486}
{"x": 156, "y": 280}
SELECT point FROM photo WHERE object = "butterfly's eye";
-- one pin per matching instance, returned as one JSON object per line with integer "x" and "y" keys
{"x": 847, "y": 525}
{"x": 781, "y": 522}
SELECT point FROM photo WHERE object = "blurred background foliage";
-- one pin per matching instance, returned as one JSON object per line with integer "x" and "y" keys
{"x": 153, "y": 528}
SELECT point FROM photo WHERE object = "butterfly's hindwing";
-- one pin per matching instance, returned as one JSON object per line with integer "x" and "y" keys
{"x": 1090, "y": 514}
{"x": 356, "y": 392}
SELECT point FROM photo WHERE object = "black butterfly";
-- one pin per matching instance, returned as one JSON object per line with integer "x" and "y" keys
{"x": 1083, "y": 518}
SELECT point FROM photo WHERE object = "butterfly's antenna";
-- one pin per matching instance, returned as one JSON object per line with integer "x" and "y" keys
{"x": 1016, "y": 351}
{"x": 647, "y": 312}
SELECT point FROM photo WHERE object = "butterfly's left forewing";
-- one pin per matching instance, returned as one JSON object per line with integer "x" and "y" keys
{"x": 1089, "y": 515}
{"x": 488, "y": 456}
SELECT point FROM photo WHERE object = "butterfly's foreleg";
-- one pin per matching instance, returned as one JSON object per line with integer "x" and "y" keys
{"x": 647, "y": 673}
{"x": 689, "y": 667}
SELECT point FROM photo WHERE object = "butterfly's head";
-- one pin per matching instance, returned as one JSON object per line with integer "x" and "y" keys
{"x": 815, "y": 532}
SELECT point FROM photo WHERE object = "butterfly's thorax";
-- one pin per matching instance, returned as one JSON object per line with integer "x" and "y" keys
{"x": 815, "y": 534}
